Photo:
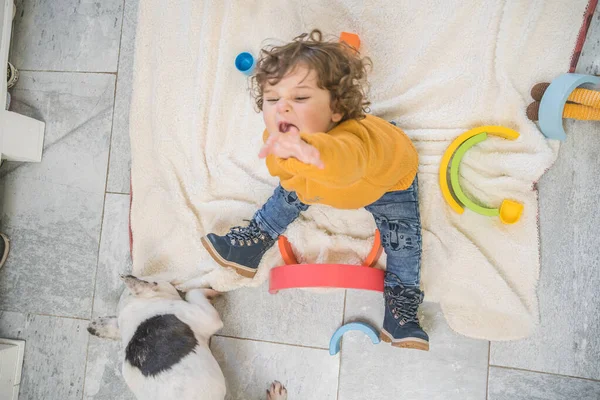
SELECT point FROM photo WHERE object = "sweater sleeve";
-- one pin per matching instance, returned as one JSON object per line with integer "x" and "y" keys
{"x": 345, "y": 156}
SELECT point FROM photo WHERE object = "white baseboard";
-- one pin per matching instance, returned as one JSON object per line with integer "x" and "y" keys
{"x": 22, "y": 138}
{"x": 11, "y": 366}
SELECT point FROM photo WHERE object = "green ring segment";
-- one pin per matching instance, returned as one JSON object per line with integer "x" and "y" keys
{"x": 457, "y": 189}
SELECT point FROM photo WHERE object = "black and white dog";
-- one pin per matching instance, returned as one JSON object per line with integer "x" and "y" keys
{"x": 167, "y": 354}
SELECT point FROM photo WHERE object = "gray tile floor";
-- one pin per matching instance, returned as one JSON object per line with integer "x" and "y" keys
{"x": 67, "y": 219}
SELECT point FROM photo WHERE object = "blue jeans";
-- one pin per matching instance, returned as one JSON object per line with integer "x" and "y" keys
{"x": 396, "y": 216}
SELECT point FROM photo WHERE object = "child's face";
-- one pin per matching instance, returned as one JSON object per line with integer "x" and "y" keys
{"x": 297, "y": 104}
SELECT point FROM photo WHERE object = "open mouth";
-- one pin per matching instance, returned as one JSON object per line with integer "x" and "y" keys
{"x": 286, "y": 127}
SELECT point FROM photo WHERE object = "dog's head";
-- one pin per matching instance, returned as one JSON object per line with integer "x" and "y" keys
{"x": 147, "y": 289}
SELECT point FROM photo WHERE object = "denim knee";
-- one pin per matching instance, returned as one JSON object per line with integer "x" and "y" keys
{"x": 291, "y": 198}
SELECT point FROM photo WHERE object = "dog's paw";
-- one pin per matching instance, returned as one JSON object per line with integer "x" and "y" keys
{"x": 105, "y": 327}
{"x": 277, "y": 391}
{"x": 190, "y": 284}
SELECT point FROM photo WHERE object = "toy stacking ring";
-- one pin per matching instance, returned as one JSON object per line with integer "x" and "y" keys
{"x": 510, "y": 211}
{"x": 334, "y": 343}
{"x": 553, "y": 103}
{"x": 295, "y": 275}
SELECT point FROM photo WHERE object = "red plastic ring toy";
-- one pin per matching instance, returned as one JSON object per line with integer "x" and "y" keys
{"x": 294, "y": 275}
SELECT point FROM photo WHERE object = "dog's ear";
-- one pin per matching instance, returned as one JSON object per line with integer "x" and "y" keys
{"x": 138, "y": 286}
{"x": 210, "y": 294}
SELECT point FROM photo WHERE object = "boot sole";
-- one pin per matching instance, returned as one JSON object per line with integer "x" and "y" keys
{"x": 239, "y": 269}
{"x": 407, "y": 343}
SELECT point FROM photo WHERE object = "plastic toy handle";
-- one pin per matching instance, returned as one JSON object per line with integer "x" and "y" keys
{"x": 289, "y": 258}
{"x": 287, "y": 253}
{"x": 375, "y": 252}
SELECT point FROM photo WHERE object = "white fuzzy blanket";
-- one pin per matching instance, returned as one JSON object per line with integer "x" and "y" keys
{"x": 440, "y": 68}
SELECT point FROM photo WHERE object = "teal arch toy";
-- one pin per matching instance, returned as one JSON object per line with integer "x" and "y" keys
{"x": 553, "y": 103}
{"x": 334, "y": 343}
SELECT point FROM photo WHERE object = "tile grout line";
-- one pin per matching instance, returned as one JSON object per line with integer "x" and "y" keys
{"x": 487, "y": 382}
{"x": 341, "y": 344}
{"x": 108, "y": 158}
{"x": 87, "y": 350}
{"x": 125, "y": 194}
{"x": 112, "y": 127}
{"x": 546, "y": 373}
{"x": 45, "y": 315}
{"x": 270, "y": 342}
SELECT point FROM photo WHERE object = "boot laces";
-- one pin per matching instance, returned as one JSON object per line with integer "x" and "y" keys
{"x": 403, "y": 303}
{"x": 246, "y": 235}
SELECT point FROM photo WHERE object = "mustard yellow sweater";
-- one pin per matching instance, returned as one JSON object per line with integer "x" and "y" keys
{"x": 363, "y": 160}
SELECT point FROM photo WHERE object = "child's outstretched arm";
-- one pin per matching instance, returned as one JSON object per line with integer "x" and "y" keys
{"x": 288, "y": 145}
{"x": 337, "y": 160}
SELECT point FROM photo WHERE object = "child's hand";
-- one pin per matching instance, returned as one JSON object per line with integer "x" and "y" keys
{"x": 287, "y": 145}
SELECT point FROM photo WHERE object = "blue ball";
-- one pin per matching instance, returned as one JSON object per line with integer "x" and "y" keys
{"x": 244, "y": 62}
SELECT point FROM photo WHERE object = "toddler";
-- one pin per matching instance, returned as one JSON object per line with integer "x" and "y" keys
{"x": 325, "y": 150}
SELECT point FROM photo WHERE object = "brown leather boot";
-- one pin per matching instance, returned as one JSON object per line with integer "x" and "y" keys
{"x": 538, "y": 90}
{"x": 533, "y": 111}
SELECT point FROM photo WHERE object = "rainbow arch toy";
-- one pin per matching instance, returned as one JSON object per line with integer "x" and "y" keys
{"x": 509, "y": 211}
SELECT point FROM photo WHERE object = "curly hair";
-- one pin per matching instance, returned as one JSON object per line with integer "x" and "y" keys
{"x": 339, "y": 68}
